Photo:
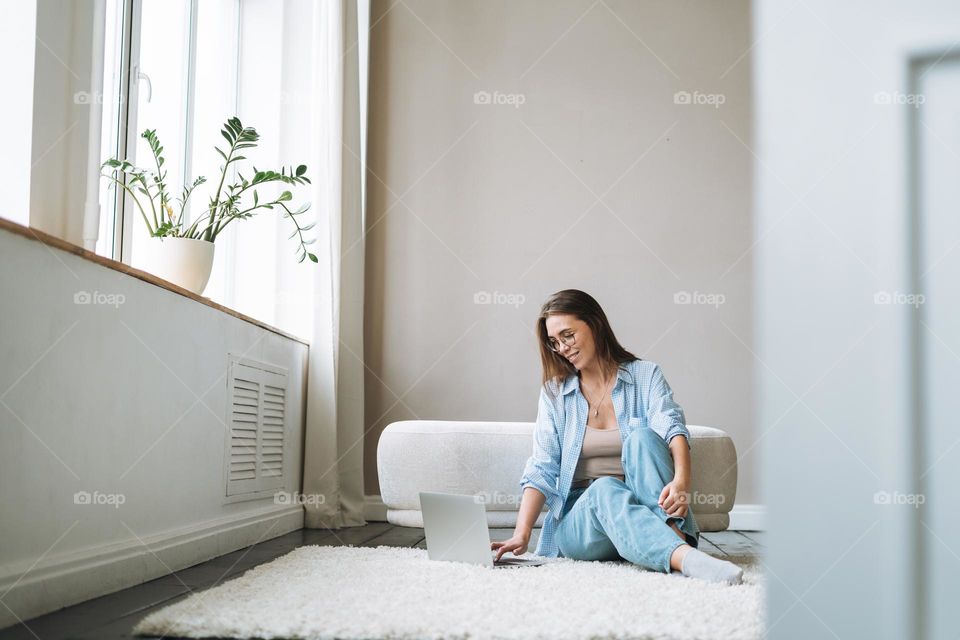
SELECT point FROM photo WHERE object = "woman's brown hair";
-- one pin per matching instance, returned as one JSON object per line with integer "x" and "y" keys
{"x": 577, "y": 303}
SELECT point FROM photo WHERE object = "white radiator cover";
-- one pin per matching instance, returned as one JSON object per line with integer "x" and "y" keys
{"x": 256, "y": 447}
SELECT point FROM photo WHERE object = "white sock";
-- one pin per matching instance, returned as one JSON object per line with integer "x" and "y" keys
{"x": 697, "y": 564}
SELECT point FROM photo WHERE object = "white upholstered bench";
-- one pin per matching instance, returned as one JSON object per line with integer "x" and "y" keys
{"x": 487, "y": 459}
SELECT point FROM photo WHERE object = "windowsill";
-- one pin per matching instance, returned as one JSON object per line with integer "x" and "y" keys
{"x": 58, "y": 243}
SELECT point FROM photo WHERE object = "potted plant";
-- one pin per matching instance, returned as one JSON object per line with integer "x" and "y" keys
{"x": 183, "y": 253}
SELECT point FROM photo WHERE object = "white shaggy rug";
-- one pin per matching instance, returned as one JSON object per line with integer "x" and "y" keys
{"x": 322, "y": 592}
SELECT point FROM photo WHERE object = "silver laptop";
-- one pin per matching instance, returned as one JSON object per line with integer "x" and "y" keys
{"x": 456, "y": 530}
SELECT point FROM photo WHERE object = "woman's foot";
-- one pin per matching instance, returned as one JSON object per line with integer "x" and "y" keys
{"x": 694, "y": 563}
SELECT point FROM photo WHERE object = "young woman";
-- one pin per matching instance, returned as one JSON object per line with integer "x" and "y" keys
{"x": 611, "y": 453}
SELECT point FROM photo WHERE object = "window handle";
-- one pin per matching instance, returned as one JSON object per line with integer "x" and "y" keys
{"x": 142, "y": 76}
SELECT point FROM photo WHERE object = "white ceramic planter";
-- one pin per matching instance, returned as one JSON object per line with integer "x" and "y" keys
{"x": 183, "y": 261}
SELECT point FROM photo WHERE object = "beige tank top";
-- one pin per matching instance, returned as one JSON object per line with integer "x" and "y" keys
{"x": 600, "y": 455}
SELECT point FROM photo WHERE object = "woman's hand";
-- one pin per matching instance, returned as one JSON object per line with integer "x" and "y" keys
{"x": 674, "y": 498}
{"x": 517, "y": 544}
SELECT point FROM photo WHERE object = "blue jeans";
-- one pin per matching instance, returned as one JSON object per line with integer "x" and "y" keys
{"x": 615, "y": 519}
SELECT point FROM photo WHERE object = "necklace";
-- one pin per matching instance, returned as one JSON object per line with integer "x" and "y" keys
{"x": 596, "y": 410}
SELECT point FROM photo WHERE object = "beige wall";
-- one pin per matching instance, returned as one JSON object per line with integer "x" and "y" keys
{"x": 466, "y": 197}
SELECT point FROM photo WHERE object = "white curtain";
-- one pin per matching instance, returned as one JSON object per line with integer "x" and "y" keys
{"x": 333, "y": 456}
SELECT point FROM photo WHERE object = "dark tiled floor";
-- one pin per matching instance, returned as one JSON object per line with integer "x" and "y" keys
{"x": 111, "y": 617}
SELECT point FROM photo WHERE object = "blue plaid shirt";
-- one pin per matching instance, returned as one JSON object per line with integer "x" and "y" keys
{"x": 641, "y": 398}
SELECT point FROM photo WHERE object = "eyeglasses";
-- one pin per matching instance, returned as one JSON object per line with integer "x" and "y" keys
{"x": 567, "y": 338}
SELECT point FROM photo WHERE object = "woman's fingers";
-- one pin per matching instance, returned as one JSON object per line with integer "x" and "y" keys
{"x": 503, "y": 545}
{"x": 675, "y": 507}
{"x": 516, "y": 544}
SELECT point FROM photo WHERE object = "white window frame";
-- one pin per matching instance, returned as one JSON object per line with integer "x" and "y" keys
{"x": 128, "y": 125}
